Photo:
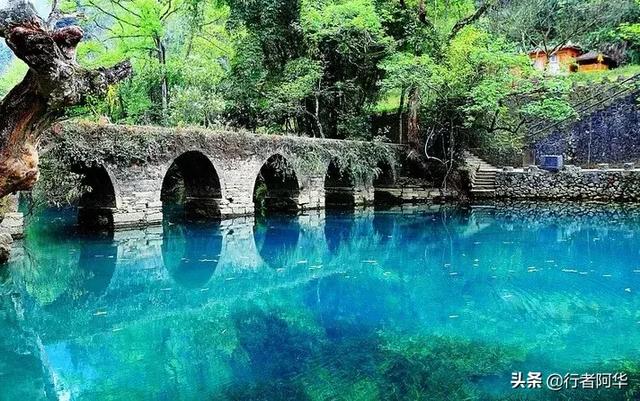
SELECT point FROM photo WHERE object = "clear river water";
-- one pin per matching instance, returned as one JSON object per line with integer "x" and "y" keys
{"x": 426, "y": 303}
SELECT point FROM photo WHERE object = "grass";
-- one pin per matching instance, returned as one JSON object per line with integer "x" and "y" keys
{"x": 606, "y": 76}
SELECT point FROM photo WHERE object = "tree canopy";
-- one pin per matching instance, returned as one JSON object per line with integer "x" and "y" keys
{"x": 437, "y": 70}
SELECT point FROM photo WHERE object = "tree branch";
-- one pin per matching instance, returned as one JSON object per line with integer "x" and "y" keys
{"x": 53, "y": 83}
{"x": 460, "y": 25}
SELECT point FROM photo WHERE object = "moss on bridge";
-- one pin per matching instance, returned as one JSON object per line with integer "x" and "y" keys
{"x": 83, "y": 144}
{"x": 127, "y": 145}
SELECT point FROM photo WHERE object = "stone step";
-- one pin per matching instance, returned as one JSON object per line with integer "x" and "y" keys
{"x": 483, "y": 181}
{"x": 490, "y": 176}
{"x": 484, "y": 184}
{"x": 484, "y": 177}
{"x": 483, "y": 193}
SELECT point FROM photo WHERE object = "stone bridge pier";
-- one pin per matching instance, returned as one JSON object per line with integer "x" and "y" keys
{"x": 208, "y": 187}
{"x": 201, "y": 185}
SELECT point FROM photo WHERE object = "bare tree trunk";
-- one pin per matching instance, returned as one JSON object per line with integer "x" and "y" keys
{"x": 164, "y": 84}
{"x": 400, "y": 117}
{"x": 317, "y": 116}
{"x": 413, "y": 124}
{"x": 54, "y": 82}
{"x": 422, "y": 12}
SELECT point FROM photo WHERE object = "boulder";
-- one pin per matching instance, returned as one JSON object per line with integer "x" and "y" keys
{"x": 5, "y": 247}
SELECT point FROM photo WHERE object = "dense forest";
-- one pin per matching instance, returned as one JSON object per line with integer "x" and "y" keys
{"x": 456, "y": 70}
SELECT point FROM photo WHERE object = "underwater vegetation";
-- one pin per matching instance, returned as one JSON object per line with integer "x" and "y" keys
{"x": 420, "y": 304}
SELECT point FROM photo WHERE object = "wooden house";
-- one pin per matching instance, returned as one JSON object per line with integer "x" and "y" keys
{"x": 562, "y": 61}
{"x": 594, "y": 61}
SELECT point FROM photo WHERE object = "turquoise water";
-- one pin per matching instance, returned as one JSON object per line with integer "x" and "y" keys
{"x": 416, "y": 304}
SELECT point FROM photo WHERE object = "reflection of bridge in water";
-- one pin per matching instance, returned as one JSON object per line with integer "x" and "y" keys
{"x": 134, "y": 277}
{"x": 141, "y": 273}
{"x": 111, "y": 303}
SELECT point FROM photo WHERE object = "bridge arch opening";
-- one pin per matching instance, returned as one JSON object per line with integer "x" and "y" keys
{"x": 339, "y": 188}
{"x": 276, "y": 188}
{"x": 98, "y": 201}
{"x": 383, "y": 183}
{"x": 191, "y": 188}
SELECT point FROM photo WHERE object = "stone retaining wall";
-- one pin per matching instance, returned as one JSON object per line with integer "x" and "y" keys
{"x": 11, "y": 227}
{"x": 12, "y": 222}
{"x": 609, "y": 135}
{"x": 414, "y": 194}
{"x": 571, "y": 183}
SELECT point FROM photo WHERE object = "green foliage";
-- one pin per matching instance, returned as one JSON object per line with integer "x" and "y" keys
{"x": 14, "y": 73}
{"x": 58, "y": 185}
{"x": 328, "y": 68}
{"x": 312, "y": 72}
{"x": 179, "y": 50}
{"x": 547, "y": 24}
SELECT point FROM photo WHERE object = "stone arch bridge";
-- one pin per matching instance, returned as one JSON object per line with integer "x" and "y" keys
{"x": 137, "y": 172}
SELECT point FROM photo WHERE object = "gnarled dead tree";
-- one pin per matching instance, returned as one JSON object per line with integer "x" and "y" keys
{"x": 54, "y": 82}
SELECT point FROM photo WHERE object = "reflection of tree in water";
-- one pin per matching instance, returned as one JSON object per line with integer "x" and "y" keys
{"x": 277, "y": 238}
{"x": 383, "y": 226}
{"x": 23, "y": 375}
{"x": 191, "y": 252}
{"x": 58, "y": 270}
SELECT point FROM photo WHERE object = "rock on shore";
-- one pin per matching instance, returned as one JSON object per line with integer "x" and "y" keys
{"x": 5, "y": 247}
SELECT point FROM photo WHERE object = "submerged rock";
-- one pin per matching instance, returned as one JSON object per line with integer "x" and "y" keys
{"x": 5, "y": 247}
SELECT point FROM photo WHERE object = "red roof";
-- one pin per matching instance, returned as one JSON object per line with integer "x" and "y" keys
{"x": 568, "y": 46}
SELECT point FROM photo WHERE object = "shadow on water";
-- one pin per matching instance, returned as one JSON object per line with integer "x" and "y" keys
{"x": 338, "y": 229}
{"x": 276, "y": 238}
{"x": 277, "y": 352}
{"x": 191, "y": 252}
